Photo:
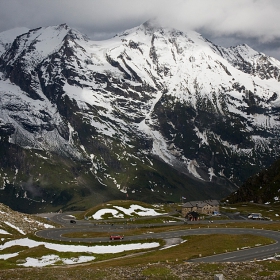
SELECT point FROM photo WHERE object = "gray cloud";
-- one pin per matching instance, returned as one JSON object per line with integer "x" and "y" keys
{"x": 237, "y": 21}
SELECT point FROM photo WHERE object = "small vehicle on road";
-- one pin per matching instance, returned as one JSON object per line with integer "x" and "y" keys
{"x": 116, "y": 237}
{"x": 72, "y": 221}
{"x": 255, "y": 216}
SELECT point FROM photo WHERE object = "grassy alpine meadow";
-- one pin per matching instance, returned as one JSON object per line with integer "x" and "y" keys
{"x": 194, "y": 247}
{"x": 152, "y": 264}
{"x": 161, "y": 208}
{"x": 161, "y": 262}
{"x": 270, "y": 211}
{"x": 18, "y": 254}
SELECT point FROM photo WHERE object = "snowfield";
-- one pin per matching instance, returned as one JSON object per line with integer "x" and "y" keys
{"x": 3, "y": 231}
{"x": 96, "y": 249}
{"x": 119, "y": 212}
{"x": 14, "y": 227}
{"x": 52, "y": 259}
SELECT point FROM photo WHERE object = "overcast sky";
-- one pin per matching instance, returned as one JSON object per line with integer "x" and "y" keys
{"x": 224, "y": 22}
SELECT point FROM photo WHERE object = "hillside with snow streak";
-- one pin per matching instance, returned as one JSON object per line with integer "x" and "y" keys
{"x": 132, "y": 113}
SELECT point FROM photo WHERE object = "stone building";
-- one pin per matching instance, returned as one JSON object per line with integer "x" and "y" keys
{"x": 202, "y": 207}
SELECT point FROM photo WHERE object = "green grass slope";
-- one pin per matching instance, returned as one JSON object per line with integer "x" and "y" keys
{"x": 264, "y": 187}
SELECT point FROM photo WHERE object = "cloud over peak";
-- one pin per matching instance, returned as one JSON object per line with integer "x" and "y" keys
{"x": 257, "y": 20}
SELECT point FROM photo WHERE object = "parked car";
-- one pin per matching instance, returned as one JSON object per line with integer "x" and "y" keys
{"x": 72, "y": 221}
{"x": 255, "y": 216}
{"x": 116, "y": 237}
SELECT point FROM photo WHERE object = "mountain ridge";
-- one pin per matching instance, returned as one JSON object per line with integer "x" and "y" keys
{"x": 262, "y": 188}
{"x": 151, "y": 99}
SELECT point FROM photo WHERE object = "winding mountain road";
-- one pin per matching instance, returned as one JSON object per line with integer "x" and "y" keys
{"x": 249, "y": 254}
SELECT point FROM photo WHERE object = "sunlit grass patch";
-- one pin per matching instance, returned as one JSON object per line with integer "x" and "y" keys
{"x": 124, "y": 231}
{"x": 159, "y": 272}
{"x": 194, "y": 247}
{"x": 13, "y": 249}
{"x": 271, "y": 265}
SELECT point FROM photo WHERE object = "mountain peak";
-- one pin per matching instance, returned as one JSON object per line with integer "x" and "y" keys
{"x": 176, "y": 101}
{"x": 63, "y": 26}
{"x": 152, "y": 24}
{"x": 7, "y": 37}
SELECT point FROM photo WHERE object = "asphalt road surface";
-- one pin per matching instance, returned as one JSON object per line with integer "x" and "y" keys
{"x": 240, "y": 255}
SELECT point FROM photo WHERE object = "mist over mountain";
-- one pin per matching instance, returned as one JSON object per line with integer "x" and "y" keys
{"x": 152, "y": 114}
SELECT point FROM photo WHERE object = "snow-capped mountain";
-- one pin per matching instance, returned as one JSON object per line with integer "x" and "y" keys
{"x": 153, "y": 112}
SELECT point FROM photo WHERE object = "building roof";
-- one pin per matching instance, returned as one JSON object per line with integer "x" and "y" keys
{"x": 200, "y": 204}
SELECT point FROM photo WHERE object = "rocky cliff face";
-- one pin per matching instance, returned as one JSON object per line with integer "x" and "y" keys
{"x": 152, "y": 113}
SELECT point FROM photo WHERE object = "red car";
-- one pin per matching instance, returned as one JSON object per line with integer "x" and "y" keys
{"x": 116, "y": 237}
